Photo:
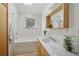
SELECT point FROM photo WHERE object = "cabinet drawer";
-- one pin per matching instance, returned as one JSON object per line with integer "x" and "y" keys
{"x": 45, "y": 53}
{"x": 41, "y": 50}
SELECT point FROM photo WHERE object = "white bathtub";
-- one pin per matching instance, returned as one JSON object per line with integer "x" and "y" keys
{"x": 23, "y": 45}
{"x": 18, "y": 40}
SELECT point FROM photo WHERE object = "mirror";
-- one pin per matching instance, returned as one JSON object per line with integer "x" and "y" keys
{"x": 59, "y": 17}
{"x": 57, "y": 20}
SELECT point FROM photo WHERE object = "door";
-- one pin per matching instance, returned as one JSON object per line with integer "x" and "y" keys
{"x": 3, "y": 29}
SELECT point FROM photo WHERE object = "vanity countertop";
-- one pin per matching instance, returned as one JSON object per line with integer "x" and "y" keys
{"x": 54, "y": 48}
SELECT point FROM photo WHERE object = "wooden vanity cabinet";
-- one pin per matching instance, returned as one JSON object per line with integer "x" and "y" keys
{"x": 41, "y": 50}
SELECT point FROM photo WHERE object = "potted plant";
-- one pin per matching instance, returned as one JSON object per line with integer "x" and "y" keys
{"x": 67, "y": 43}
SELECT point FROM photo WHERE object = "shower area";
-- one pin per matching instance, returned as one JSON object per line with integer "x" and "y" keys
{"x": 24, "y": 29}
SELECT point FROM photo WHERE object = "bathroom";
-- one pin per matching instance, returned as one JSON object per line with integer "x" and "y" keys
{"x": 32, "y": 32}
{"x": 28, "y": 37}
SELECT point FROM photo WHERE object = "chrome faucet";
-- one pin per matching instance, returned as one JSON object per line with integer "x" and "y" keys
{"x": 52, "y": 38}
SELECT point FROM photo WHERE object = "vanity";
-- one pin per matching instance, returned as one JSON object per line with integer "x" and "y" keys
{"x": 41, "y": 49}
{"x": 51, "y": 48}
{"x": 58, "y": 18}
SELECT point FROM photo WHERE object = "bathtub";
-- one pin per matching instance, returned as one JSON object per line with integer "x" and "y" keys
{"x": 18, "y": 40}
{"x": 23, "y": 45}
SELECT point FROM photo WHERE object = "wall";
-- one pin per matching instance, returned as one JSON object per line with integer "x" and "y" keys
{"x": 75, "y": 25}
{"x": 18, "y": 25}
{"x": 29, "y": 34}
{"x": 73, "y": 30}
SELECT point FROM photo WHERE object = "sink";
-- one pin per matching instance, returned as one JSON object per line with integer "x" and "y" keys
{"x": 45, "y": 40}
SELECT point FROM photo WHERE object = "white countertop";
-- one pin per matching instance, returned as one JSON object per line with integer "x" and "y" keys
{"x": 54, "y": 48}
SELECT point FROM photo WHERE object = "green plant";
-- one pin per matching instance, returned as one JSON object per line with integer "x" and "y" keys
{"x": 67, "y": 42}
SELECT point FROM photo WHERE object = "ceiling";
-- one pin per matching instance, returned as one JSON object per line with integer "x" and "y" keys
{"x": 35, "y": 8}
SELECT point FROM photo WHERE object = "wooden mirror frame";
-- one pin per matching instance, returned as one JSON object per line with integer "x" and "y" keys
{"x": 65, "y": 8}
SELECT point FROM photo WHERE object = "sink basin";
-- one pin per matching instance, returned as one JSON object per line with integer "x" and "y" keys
{"x": 45, "y": 40}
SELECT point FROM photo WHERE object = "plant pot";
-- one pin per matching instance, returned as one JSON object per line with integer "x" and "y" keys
{"x": 68, "y": 47}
